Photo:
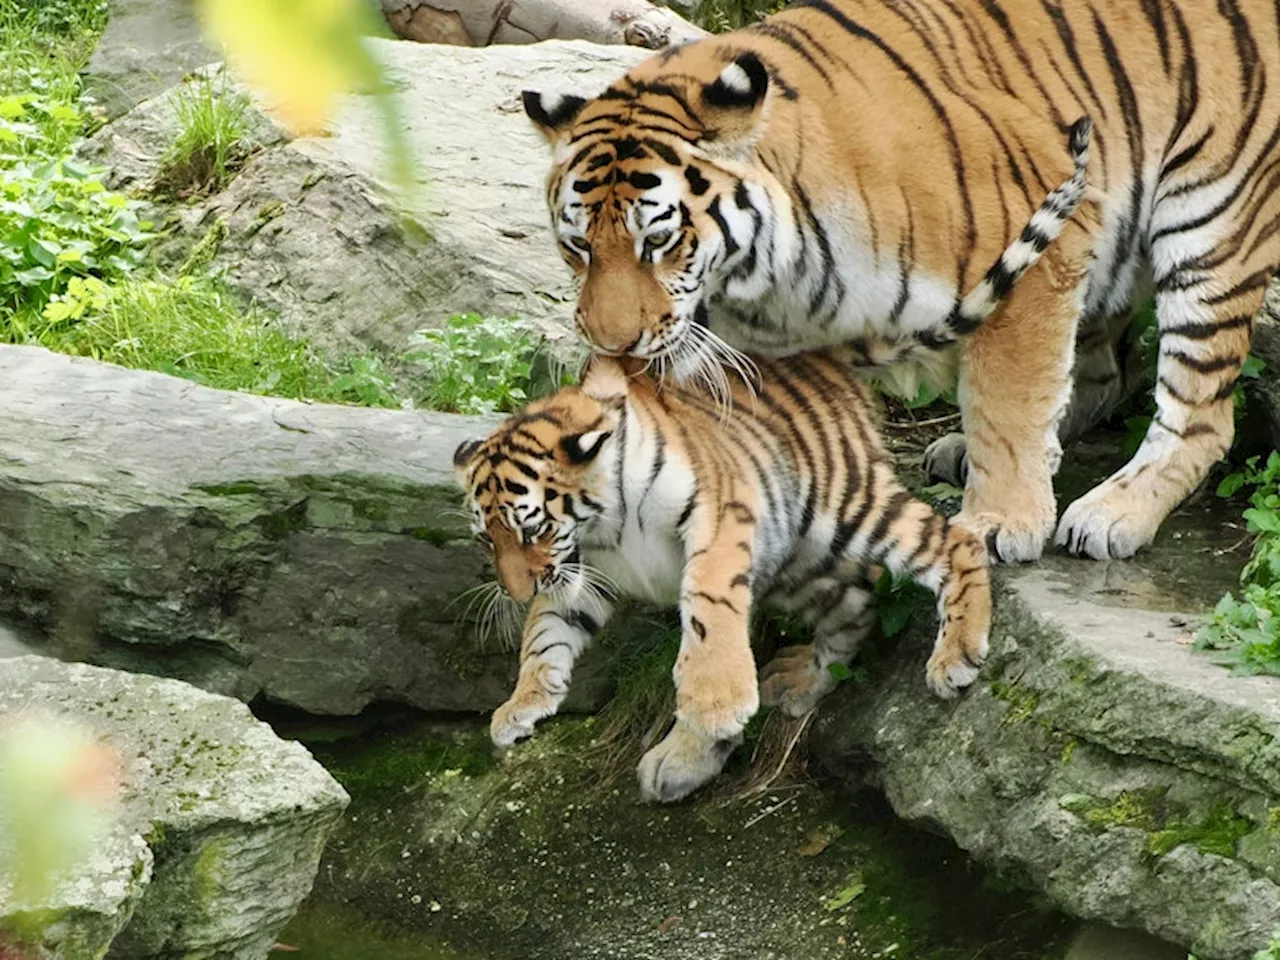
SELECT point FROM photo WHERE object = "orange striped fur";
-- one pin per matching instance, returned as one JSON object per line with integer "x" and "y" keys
{"x": 786, "y": 499}
{"x": 844, "y": 171}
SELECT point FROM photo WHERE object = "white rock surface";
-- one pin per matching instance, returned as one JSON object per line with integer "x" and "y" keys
{"x": 221, "y": 826}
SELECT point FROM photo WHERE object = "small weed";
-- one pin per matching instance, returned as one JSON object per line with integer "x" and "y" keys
{"x": 1244, "y": 633}
{"x": 211, "y": 143}
{"x": 477, "y": 364}
{"x": 719, "y": 16}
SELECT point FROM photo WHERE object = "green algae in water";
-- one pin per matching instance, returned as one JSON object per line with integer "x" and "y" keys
{"x": 529, "y": 858}
{"x": 326, "y": 932}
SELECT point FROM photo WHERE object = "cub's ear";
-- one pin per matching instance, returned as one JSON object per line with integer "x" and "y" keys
{"x": 735, "y": 97}
{"x": 582, "y": 448}
{"x": 551, "y": 113}
{"x": 466, "y": 450}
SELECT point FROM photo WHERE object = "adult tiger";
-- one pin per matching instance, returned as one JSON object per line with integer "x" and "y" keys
{"x": 840, "y": 171}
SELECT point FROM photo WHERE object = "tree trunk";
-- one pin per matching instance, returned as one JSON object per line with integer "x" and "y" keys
{"x": 478, "y": 23}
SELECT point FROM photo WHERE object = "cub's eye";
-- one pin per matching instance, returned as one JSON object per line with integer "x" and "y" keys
{"x": 483, "y": 537}
{"x": 580, "y": 243}
{"x": 655, "y": 240}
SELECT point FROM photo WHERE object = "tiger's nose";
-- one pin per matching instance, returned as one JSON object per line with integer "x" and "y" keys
{"x": 611, "y": 346}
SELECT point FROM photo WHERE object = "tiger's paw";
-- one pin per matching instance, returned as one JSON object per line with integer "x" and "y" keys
{"x": 1105, "y": 524}
{"x": 794, "y": 681}
{"x": 955, "y": 665}
{"x": 714, "y": 697}
{"x": 947, "y": 459}
{"x": 1008, "y": 540}
{"x": 681, "y": 763}
{"x": 515, "y": 719}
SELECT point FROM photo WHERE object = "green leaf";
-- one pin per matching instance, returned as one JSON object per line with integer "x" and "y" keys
{"x": 1253, "y": 367}
{"x": 839, "y": 672}
{"x": 1230, "y": 484}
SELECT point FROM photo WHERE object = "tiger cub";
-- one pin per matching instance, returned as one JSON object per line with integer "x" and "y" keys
{"x": 787, "y": 497}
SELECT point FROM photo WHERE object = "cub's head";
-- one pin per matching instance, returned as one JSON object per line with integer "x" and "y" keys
{"x": 652, "y": 199}
{"x": 532, "y": 484}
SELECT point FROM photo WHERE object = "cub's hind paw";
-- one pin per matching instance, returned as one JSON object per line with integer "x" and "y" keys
{"x": 682, "y": 762}
{"x": 794, "y": 681}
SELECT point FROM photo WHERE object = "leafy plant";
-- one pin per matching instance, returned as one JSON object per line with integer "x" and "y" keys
{"x": 211, "y": 143}
{"x": 898, "y": 599}
{"x": 1244, "y": 633}
{"x": 477, "y": 364}
{"x": 58, "y": 221}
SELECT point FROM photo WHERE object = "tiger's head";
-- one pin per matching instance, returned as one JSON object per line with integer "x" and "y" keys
{"x": 537, "y": 480}
{"x": 653, "y": 200}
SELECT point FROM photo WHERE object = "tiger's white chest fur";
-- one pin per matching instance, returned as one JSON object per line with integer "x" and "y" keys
{"x": 637, "y": 543}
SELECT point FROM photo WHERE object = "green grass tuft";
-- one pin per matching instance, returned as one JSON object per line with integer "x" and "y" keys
{"x": 212, "y": 139}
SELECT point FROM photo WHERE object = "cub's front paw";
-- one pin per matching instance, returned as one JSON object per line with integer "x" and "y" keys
{"x": 954, "y": 664}
{"x": 681, "y": 763}
{"x": 794, "y": 681}
{"x": 716, "y": 697}
{"x": 515, "y": 719}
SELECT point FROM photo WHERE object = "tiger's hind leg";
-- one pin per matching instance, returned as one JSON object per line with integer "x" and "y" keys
{"x": 1101, "y": 383}
{"x": 1205, "y": 304}
{"x": 841, "y": 610}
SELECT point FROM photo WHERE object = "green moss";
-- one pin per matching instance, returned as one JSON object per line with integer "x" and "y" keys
{"x": 387, "y": 767}
{"x": 1220, "y": 833}
{"x": 1022, "y": 702}
{"x": 431, "y": 535}
{"x": 375, "y": 510}
{"x": 1144, "y": 809}
{"x": 1167, "y": 825}
{"x": 278, "y": 525}
{"x": 1068, "y": 749}
{"x": 1273, "y": 819}
{"x": 207, "y": 873}
{"x": 205, "y": 249}
{"x": 230, "y": 489}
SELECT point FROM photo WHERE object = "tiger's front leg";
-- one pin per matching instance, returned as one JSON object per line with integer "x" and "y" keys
{"x": 556, "y": 631}
{"x": 1015, "y": 387}
{"x": 715, "y": 672}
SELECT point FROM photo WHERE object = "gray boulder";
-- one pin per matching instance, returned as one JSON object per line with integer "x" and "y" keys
{"x": 305, "y": 228}
{"x": 148, "y": 46}
{"x": 220, "y": 829}
{"x": 256, "y": 547}
{"x": 1097, "y": 759}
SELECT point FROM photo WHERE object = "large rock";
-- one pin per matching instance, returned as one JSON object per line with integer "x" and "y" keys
{"x": 148, "y": 46}
{"x": 256, "y": 547}
{"x": 305, "y": 229}
{"x": 1097, "y": 759}
{"x": 220, "y": 828}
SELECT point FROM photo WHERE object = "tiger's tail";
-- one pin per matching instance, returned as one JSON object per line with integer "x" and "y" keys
{"x": 1041, "y": 230}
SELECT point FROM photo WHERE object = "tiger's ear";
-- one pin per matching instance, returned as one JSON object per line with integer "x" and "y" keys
{"x": 464, "y": 452}
{"x": 582, "y": 448}
{"x": 551, "y": 113}
{"x": 735, "y": 97}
